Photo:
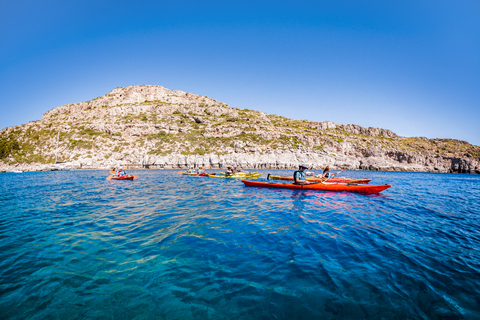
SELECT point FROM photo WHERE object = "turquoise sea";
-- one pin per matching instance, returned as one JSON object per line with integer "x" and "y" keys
{"x": 164, "y": 246}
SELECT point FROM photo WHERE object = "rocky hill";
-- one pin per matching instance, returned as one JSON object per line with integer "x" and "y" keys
{"x": 153, "y": 126}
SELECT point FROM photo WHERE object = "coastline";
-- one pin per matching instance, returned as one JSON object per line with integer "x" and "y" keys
{"x": 151, "y": 127}
{"x": 273, "y": 160}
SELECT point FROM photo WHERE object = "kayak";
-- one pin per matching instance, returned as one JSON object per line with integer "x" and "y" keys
{"x": 204, "y": 174}
{"x": 321, "y": 186}
{"x": 341, "y": 180}
{"x": 235, "y": 176}
{"x": 123, "y": 178}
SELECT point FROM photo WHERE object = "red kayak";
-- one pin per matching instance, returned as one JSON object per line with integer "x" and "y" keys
{"x": 123, "y": 178}
{"x": 321, "y": 186}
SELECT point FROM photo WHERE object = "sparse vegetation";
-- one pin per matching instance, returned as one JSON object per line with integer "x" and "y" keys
{"x": 195, "y": 127}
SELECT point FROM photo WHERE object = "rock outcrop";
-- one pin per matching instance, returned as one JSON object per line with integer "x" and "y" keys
{"x": 152, "y": 126}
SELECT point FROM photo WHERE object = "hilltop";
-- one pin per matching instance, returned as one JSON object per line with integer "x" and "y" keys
{"x": 154, "y": 126}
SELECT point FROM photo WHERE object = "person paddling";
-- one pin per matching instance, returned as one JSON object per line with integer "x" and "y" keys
{"x": 327, "y": 174}
{"x": 229, "y": 171}
{"x": 121, "y": 173}
{"x": 299, "y": 175}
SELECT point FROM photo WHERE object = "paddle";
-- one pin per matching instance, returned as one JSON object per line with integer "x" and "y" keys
{"x": 112, "y": 173}
{"x": 331, "y": 176}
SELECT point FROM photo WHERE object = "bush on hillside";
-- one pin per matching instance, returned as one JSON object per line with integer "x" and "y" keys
{"x": 8, "y": 145}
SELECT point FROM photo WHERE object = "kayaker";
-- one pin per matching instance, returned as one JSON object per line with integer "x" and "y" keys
{"x": 191, "y": 170}
{"x": 121, "y": 172}
{"x": 326, "y": 173}
{"x": 236, "y": 170}
{"x": 299, "y": 175}
{"x": 229, "y": 171}
{"x": 201, "y": 169}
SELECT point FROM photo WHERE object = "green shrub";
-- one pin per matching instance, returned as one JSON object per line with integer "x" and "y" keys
{"x": 200, "y": 151}
{"x": 8, "y": 145}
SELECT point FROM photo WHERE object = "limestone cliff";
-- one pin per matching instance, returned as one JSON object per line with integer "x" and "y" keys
{"x": 154, "y": 126}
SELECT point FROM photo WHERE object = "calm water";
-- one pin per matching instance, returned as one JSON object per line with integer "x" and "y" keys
{"x": 165, "y": 246}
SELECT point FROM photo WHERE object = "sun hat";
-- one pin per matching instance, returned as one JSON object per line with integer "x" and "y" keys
{"x": 303, "y": 166}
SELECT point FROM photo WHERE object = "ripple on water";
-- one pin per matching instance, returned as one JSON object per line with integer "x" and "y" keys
{"x": 162, "y": 246}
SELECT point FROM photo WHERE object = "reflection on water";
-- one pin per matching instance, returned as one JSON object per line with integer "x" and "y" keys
{"x": 162, "y": 246}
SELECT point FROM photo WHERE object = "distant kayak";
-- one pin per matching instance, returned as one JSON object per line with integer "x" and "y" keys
{"x": 341, "y": 180}
{"x": 237, "y": 176}
{"x": 123, "y": 178}
{"x": 321, "y": 186}
{"x": 203, "y": 174}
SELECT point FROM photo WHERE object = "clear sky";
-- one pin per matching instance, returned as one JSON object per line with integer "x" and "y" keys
{"x": 409, "y": 66}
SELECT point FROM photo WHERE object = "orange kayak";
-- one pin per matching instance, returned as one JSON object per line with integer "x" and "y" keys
{"x": 315, "y": 179}
{"x": 320, "y": 186}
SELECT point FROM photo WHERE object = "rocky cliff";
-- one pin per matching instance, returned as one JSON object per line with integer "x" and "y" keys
{"x": 153, "y": 126}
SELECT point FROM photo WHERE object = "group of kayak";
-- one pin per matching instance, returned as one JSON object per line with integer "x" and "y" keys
{"x": 231, "y": 173}
{"x": 324, "y": 181}
{"x": 299, "y": 180}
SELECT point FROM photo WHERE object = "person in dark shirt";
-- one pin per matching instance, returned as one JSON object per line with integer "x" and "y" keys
{"x": 299, "y": 175}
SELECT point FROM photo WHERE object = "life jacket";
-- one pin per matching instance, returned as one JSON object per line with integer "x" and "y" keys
{"x": 301, "y": 177}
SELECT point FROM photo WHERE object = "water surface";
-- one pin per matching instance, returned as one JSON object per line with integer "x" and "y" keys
{"x": 165, "y": 246}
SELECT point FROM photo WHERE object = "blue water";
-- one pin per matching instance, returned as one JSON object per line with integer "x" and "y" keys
{"x": 165, "y": 246}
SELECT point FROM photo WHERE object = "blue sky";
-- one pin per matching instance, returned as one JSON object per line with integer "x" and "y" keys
{"x": 409, "y": 66}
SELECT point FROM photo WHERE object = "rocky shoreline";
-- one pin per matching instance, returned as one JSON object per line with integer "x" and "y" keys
{"x": 274, "y": 160}
{"x": 154, "y": 127}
